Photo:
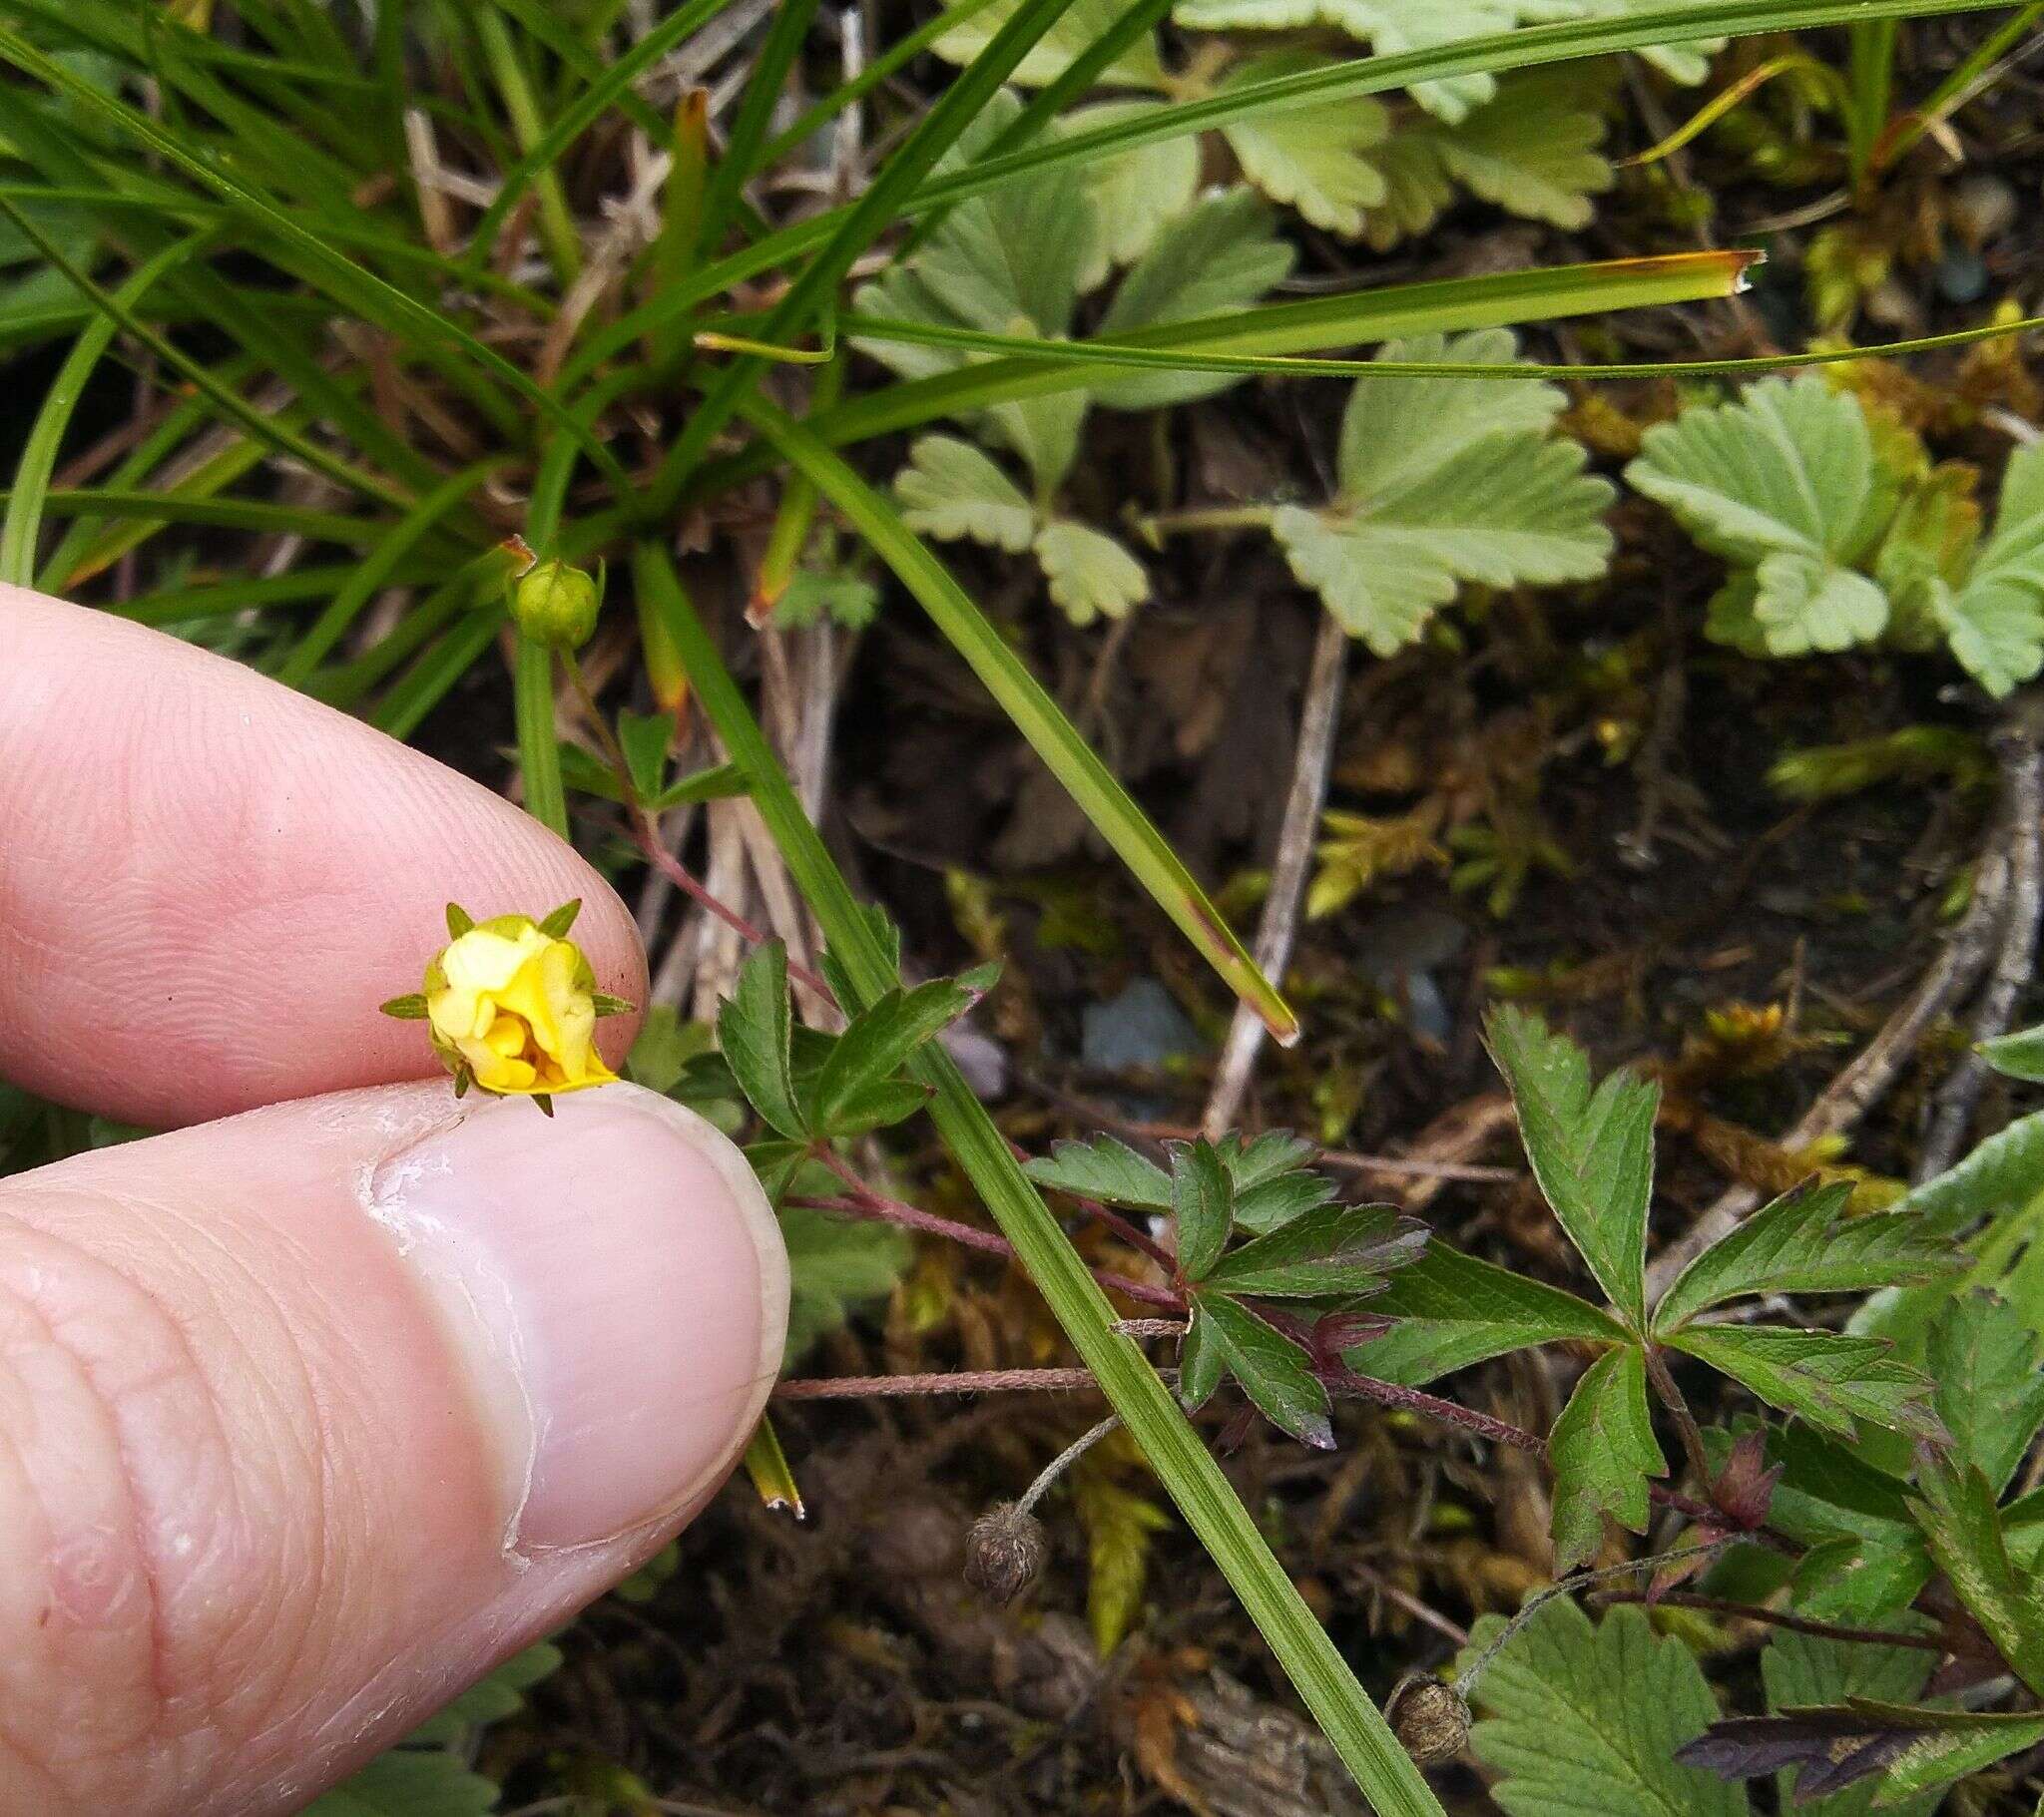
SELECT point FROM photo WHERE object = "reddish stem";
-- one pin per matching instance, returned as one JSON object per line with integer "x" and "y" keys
{"x": 969, "y": 1381}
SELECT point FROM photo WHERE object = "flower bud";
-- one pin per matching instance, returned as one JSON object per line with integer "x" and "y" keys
{"x": 556, "y": 605}
{"x": 1429, "y": 1716}
{"x": 1004, "y": 1551}
{"x": 511, "y": 1005}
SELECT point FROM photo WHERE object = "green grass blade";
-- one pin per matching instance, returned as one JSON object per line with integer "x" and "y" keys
{"x": 210, "y": 600}
{"x": 748, "y": 134}
{"x": 1123, "y": 825}
{"x": 1183, "y": 1464}
{"x": 576, "y": 119}
{"x": 375, "y": 573}
{"x": 557, "y": 229}
{"x": 1498, "y": 300}
{"x": 231, "y": 513}
{"x": 539, "y": 740}
{"x": 347, "y": 283}
{"x": 815, "y": 290}
{"x": 38, "y": 461}
{"x": 428, "y": 682}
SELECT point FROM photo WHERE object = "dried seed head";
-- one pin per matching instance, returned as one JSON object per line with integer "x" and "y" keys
{"x": 1429, "y": 1716}
{"x": 1004, "y": 1551}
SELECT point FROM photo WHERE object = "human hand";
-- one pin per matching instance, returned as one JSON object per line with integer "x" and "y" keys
{"x": 310, "y": 1417}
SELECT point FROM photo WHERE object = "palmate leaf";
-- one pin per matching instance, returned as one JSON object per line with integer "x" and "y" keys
{"x": 754, "y": 1033}
{"x": 952, "y": 490}
{"x": 1105, "y": 1169}
{"x": 1592, "y": 1151}
{"x": 1136, "y": 194}
{"x": 1442, "y": 481}
{"x": 835, "y": 1265}
{"x": 1225, "y": 1336}
{"x": 1984, "y": 1356}
{"x": 1995, "y": 621}
{"x": 1603, "y": 1450}
{"x": 1322, "y": 161}
{"x": 1202, "y": 1199}
{"x": 1337, "y": 1249}
{"x": 1533, "y": 150}
{"x": 1803, "y": 1243}
{"x": 1080, "y": 24}
{"x": 1582, "y": 1721}
{"x": 1826, "y": 1378}
{"x": 1454, "y": 1310}
{"x": 1220, "y": 256}
{"x": 1787, "y": 483}
{"x": 1091, "y": 575}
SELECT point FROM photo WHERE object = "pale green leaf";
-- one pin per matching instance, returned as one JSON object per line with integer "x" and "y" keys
{"x": 1220, "y": 258}
{"x": 1827, "y": 1379}
{"x": 1319, "y": 160}
{"x": 1454, "y": 1310}
{"x": 1533, "y": 150}
{"x": 1602, "y": 1450}
{"x": 1787, "y": 468}
{"x": 1688, "y": 63}
{"x": 950, "y": 489}
{"x": 1118, "y": 1524}
{"x": 2019, "y": 1055}
{"x": 1044, "y": 431}
{"x": 1592, "y": 1151}
{"x": 409, "y": 1782}
{"x": 1136, "y": 194}
{"x": 1803, "y": 603}
{"x": 1584, "y": 1722}
{"x": 1079, "y": 26}
{"x": 1386, "y": 26}
{"x": 1091, "y": 575}
{"x": 1995, "y": 621}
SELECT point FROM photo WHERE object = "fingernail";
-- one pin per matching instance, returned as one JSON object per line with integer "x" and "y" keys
{"x": 617, "y": 1280}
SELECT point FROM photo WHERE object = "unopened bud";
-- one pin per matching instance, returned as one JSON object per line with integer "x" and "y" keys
{"x": 556, "y": 605}
{"x": 1004, "y": 1551}
{"x": 1429, "y": 1716}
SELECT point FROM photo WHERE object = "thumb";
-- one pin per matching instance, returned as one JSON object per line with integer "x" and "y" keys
{"x": 310, "y": 1417}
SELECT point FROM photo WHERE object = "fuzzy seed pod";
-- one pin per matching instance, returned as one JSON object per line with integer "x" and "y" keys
{"x": 1429, "y": 1716}
{"x": 1004, "y": 1551}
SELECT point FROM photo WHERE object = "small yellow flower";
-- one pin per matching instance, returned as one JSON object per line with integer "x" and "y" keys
{"x": 511, "y": 1005}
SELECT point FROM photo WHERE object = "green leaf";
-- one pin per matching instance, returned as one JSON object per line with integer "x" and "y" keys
{"x": 720, "y": 783}
{"x": 1786, "y": 482}
{"x": 1803, "y": 1243}
{"x": 879, "y": 1041}
{"x": 837, "y": 1265}
{"x": 1124, "y": 827}
{"x": 1454, "y": 1310}
{"x": 1271, "y": 1203}
{"x": 1802, "y": 1671}
{"x": 1389, "y": 27}
{"x": 1827, "y": 1379}
{"x": 1591, "y": 1151}
{"x": 1322, "y": 161}
{"x": 1860, "y": 1582}
{"x": 1105, "y": 1170}
{"x": 646, "y": 739}
{"x": 1533, "y": 150}
{"x": 755, "y": 1031}
{"x": 879, "y": 1106}
{"x": 409, "y": 1782}
{"x": 812, "y": 597}
{"x": 1200, "y": 1362}
{"x": 490, "y": 1699}
{"x": 1444, "y": 481}
{"x": 1091, "y": 575}
{"x": 2018, "y": 1054}
{"x": 1955, "y": 1743}
{"x": 1135, "y": 196}
{"x": 1218, "y": 257}
{"x": 1995, "y": 621}
{"x": 1602, "y": 1449}
{"x": 1954, "y": 1506}
{"x": 1584, "y": 1722}
{"x": 1984, "y": 1356}
{"x": 1271, "y": 1369}
{"x": 1335, "y": 1249}
{"x": 950, "y": 489}
{"x": 1203, "y": 1199}
{"x": 1077, "y": 27}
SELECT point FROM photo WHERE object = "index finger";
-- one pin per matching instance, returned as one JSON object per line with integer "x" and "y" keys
{"x": 209, "y": 882}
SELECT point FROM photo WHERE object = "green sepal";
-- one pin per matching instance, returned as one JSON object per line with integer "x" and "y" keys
{"x": 412, "y": 1007}
{"x": 544, "y": 1102}
{"x": 462, "y": 1080}
{"x": 557, "y": 924}
{"x": 606, "y": 1005}
{"x": 459, "y": 920}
